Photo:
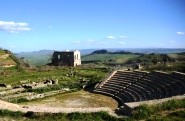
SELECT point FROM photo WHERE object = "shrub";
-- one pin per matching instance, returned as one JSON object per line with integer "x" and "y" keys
{"x": 142, "y": 112}
{"x": 173, "y": 104}
{"x": 19, "y": 100}
{"x": 6, "y": 112}
{"x": 180, "y": 114}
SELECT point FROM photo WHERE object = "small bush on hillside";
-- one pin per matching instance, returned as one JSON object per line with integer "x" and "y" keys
{"x": 171, "y": 105}
{"x": 180, "y": 113}
{"x": 142, "y": 112}
{"x": 19, "y": 100}
{"x": 5, "y": 112}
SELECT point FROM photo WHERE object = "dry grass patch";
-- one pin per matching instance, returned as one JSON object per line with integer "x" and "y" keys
{"x": 80, "y": 99}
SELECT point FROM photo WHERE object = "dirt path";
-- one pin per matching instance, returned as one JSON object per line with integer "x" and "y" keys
{"x": 69, "y": 110}
{"x": 22, "y": 108}
{"x": 11, "y": 106}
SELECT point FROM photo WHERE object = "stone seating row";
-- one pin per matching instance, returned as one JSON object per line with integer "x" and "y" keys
{"x": 146, "y": 86}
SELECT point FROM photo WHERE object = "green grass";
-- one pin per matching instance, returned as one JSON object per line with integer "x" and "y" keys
{"x": 145, "y": 111}
{"x": 4, "y": 113}
{"x": 12, "y": 76}
{"x": 19, "y": 100}
{"x": 109, "y": 58}
{"x": 174, "y": 66}
{"x": 177, "y": 56}
{"x": 99, "y": 116}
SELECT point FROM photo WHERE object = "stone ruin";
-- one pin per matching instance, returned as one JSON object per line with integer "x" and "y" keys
{"x": 138, "y": 86}
{"x": 5, "y": 85}
{"x": 18, "y": 91}
{"x": 35, "y": 85}
{"x": 66, "y": 58}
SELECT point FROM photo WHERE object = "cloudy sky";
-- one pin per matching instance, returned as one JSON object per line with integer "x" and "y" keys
{"x": 30, "y": 25}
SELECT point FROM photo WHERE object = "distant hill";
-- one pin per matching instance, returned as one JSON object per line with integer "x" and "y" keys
{"x": 37, "y": 58}
{"x": 43, "y": 57}
{"x": 108, "y": 58}
{"x": 104, "y": 51}
{"x": 139, "y": 50}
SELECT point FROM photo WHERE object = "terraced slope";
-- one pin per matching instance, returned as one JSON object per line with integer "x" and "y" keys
{"x": 6, "y": 59}
{"x": 134, "y": 86}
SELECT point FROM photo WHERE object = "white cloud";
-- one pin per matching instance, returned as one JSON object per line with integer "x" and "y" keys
{"x": 180, "y": 33}
{"x": 111, "y": 37}
{"x": 116, "y": 37}
{"x": 77, "y": 42}
{"x": 13, "y": 27}
{"x": 122, "y": 37}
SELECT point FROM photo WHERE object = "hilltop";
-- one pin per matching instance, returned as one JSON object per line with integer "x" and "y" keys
{"x": 8, "y": 59}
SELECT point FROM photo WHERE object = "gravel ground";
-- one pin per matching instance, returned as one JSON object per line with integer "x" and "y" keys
{"x": 22, "y": 108}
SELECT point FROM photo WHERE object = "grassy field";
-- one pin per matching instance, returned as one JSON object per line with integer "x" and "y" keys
{"x": 109, "y": 58}
{"x": 179, "y": 56}
{"x": 172, "y": 110}
{"x": 79, "y": 99}
{"x": 170, "y": 67}
{"x": 13, "y": 76}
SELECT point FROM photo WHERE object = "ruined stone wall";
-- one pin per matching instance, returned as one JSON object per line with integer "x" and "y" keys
{"x": 63, "y": 59}
{"x": 77, "y": 58}
{"x": 67, "y": 58}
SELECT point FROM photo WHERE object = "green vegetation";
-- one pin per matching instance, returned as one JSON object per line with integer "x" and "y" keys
{"x": 175, "y": 66}
{"x": 7, "y": 58}
{"x": 19, "y": 100}
{"x": 109, "y": 58}
{"x": 67, "y": 77}
{"x": 38, "y": 60}
{"x": 151, "y": 59}
{"x": 75, "y": 86}
{"x": 99, "y": 116}
{"x": 163, "y": 62}
{"x": 76, "y": 78}
{"x": 177, "y": 56}
{"x": 146, "y": 111}
{"x": 7, "y": 113}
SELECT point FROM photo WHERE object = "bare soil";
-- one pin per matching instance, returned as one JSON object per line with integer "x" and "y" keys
{"x": 80, "y": 99}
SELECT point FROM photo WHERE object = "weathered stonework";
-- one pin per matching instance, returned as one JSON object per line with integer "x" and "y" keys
{"x": 66, "y": 58}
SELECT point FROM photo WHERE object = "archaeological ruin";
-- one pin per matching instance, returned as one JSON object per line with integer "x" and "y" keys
{"x": 131, "y": 87}
{"x": 66, "y": 58}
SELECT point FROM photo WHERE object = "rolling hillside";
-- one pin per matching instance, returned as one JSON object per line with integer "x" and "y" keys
{"x": 109, "y": 58}
{"x": 8, "y": 59}
{"x": 42, "y": 57}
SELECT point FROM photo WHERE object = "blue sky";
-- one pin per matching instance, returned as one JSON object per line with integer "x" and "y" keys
{"x": 30, "y": 25}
